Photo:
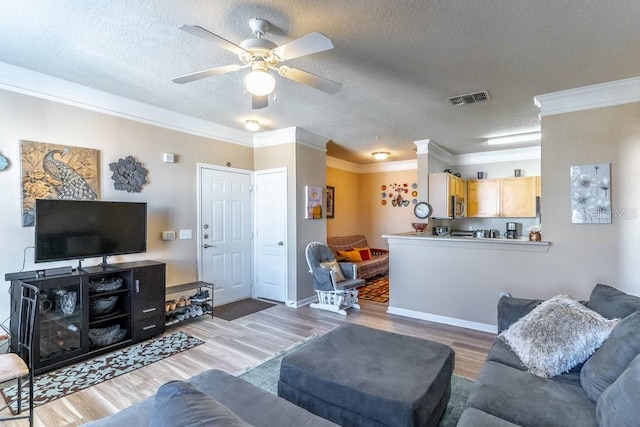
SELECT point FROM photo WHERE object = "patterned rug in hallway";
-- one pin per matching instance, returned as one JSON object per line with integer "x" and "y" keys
{"x": 375, "y": 289}
{"x": 68, "y": 380}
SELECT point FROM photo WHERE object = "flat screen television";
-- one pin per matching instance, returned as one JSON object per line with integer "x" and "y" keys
{"x": 71, "y": 229}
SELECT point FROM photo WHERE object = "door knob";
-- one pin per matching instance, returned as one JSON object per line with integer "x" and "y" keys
{"x": 280, "y": 243}
{"x": 207, "y": 246}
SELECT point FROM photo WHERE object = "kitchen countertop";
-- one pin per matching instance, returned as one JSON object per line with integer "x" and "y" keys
{"x": 412, "y": 235}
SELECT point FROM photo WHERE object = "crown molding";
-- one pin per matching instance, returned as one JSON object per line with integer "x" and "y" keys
{"x": 290, "y": 135}
{"x": 589, "y": 97}
{"x": 27, "y": 82}
{"x": 401, "y": 165}
{"x": 422, "y": 146}
{"x": 427, "y": 146}
{"x": 333, "y": 162}
{"x": 514, "y": 154}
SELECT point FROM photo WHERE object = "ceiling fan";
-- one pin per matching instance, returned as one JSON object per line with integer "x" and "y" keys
{"x": 262, "y": 55}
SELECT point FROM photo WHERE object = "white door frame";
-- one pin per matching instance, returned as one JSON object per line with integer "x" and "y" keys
{"x": 200, "y": 167}
{"x": 285, "y": 238}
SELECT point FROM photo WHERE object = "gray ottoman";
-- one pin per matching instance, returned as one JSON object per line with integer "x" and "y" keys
{"x": 359, "y": 376}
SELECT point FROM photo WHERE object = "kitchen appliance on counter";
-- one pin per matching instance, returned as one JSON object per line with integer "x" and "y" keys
{"x": 441, "y": 230}
{"x": 492, "y": 234}
{"x": 512, "y": 230}
{"x": 464, "y": 233}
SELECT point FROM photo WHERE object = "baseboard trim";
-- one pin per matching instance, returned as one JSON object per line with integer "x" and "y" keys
{"x": 484, "y": 327}
{"x": 301, "y": 303}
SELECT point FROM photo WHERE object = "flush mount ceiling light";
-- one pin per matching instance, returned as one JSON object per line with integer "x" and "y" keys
{"x": 380, "y": 155}
{"x": 259, "y": 82}
{"x": 512, "y": 139}
{"x": 252, "y": 125}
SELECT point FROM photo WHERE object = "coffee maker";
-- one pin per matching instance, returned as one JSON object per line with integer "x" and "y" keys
{"x": 512, "y": 230}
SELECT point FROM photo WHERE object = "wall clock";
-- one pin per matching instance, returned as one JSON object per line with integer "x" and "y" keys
{"x": 422, "y": 210}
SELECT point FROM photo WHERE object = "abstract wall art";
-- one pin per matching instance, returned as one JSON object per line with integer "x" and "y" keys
{"x": 591, "y": 194}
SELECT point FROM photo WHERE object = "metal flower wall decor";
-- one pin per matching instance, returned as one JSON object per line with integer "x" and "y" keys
{"x": 399, "y": 194}
{"x": 128, "y": 175}
{"x": 591, "y": 194}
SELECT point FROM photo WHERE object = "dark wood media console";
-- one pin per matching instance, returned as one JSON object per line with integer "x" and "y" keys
{"x": 115, "y": 306}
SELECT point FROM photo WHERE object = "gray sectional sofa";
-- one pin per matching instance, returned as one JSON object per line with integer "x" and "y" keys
{"x": 603, "y": 391}
{"x": 212, "y": 398}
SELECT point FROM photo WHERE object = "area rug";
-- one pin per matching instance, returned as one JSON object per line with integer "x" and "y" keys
{"x": 68, "y": 380}
{"x": 244, "y": 307}
{"x": 265, "y": 375}
{"x": 375, "y": 289}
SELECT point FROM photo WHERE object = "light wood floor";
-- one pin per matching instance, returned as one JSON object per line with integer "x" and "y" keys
{"x": 237, "y": 345}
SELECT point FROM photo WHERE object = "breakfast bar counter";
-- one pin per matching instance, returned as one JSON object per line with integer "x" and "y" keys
{"x": 457, "y": 280}
{"x": 522, "y": 242}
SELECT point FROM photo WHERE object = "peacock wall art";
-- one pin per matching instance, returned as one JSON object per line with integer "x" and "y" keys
{"x": 51, "y": 171}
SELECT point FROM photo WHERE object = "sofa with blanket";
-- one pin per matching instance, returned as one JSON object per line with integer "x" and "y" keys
{"x": 529, "y": 377}
{"x": 212, "y": 398}
{"x": 370, "y": 262}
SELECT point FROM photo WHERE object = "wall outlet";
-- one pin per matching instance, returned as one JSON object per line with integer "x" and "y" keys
{"x": 185, "y": 234}
{"x": 168, "y": 235}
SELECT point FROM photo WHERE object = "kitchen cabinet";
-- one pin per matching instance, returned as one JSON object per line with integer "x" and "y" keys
{"x": 503, "y": 197}
{"x": 483, "y": 198}
{"x": 446, "y": 195}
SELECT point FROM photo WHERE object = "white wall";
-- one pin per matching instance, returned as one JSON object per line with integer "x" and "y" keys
{"x": 170, "y": 193}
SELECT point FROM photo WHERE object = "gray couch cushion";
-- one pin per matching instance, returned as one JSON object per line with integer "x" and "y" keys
{"x": 606, "y": 365}
{"x": 501, "y": 353}
{"x": 254, "y": 405}
{"x": 510, "y": 310}
{"x": 180, "y": 404}
{"x": 472, "y": 417}
{"x": 619, "y": 404}
{"x": 524, "y": 399}
{"x": 557, "y": 335}
{"x": 612, "y": 303}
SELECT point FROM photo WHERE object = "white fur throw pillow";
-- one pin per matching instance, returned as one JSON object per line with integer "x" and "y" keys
{"x": 557, "y": 335}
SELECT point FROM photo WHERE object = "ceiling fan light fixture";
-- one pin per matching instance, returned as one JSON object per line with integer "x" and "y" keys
{"x": 381, "y": 155}
{"x": 512, "y": 139}
{"x": 259, "y": 82}
{"x": 252, "y": 125}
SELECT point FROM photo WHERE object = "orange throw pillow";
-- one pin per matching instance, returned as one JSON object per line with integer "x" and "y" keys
{"x": 351, "y": 256}
{"x": 365, "y": 253}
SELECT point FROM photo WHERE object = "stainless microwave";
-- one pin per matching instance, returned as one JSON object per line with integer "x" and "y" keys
{"x": 457, "y": 207}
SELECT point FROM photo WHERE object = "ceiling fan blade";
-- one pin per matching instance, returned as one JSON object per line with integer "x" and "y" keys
{"x": 306, "y": 78}
{"x": 213, "y": 38}
{"x": 206, "y": 73}
{"x": 258, "y": 102}
{"x": 311, "y": 43}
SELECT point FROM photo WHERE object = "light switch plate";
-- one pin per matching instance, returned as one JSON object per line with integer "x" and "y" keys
{"x": 168, "y": 235}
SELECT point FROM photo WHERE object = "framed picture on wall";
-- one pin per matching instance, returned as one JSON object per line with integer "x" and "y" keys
{"x": 331, "y": 200}
{"x": 313, "y": 202}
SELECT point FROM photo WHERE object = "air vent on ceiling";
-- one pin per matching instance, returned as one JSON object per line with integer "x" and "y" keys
{"x": 469, "y": 98}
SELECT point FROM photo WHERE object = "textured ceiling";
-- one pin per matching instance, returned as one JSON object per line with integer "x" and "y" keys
{"x": 398, "y": 61}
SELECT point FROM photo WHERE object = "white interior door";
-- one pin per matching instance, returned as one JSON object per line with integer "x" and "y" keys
{"x": 225, "y": 233}
{"x": 271, "y": 234}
